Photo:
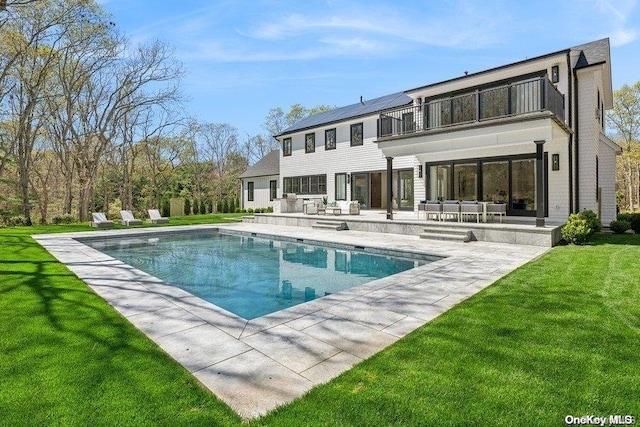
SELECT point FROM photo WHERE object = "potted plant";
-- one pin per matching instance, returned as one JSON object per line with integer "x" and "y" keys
{"x": 354, "y": 208}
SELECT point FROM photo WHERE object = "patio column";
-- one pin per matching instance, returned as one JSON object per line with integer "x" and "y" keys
{"x": 539, "y": 183}
{"x": 389, "y": 187}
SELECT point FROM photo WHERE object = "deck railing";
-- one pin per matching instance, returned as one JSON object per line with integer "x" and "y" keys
{"x": 523, "y": 97}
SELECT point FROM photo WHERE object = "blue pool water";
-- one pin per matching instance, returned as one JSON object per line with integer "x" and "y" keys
{"x": 252, "y": 276}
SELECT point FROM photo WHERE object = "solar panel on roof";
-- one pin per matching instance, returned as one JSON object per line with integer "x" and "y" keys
{"x": 351, "y": 111}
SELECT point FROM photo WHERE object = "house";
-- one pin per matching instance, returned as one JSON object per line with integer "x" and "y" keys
{"x": 260, "y": 182}
{"x": 530, "y": 134}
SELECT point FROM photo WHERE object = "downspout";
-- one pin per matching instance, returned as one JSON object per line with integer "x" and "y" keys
{"x": 577, "y": 144}
{"x": 570, "y": 118}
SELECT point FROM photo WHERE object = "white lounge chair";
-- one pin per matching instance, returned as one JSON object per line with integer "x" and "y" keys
{"x": 100, "y": 220}
{"x": 156, "y": 218}
{"x": 128, "y": 219}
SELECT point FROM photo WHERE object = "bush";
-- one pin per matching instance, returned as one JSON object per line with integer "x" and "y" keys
{"x": 626, "y": 216}
{"x": 16, "y": 221}
{"x": 196, "y": 207}
{"x": 238, "y": 210}
{"x": 219, "y": 207}
{"x": 203, "y": 207}
{"x": 63, "y": 219}
{"x": 165, "y": 207}
{"x": 634, "y": 222}
{"x": 593, "y": 222}
{"x": 619, "y": 226}
{"x": 270, "y": 209}
{"x": 187, "y": 206}
{"x": 250, "y": 210}
{"x": 225, "y": 206}
{"x": 576, "y": 230}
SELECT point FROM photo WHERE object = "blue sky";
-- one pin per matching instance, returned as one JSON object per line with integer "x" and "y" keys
{"x": 244, "y": 57}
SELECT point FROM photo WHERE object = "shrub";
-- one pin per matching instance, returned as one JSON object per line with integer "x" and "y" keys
{"x": 250, "y": 210}
{"x": 63, "y": 219}
{"x": 196, "y": 207}
{"x": 634, "y": 222}
{"x": 270, "y": 209}
{"x": 576, "y": 230}
{"x": 619, "y": 226}
{"x": 232, "y": 205}
{"x": 626, "y": 216}
{"x": 238, "y": 210}
{"x": 593, "y": 222}
{"x": 187, "y": 206}
{"x": 219, "y": 207}
{"x": 225, "y": 206}
{"x": 16, "y": 221}
{"x": 203, "y": 207}
{"x": 165, "y": 207}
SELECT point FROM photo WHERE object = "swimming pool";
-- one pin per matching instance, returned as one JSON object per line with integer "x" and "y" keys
{"x": 252, "y": 276}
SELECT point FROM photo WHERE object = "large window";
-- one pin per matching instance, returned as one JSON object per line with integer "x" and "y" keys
{"x": 250, "y": 191}
{"x": 465, "y": 181}
{"x": 309, "y": 184}
{"x": 356, "y": 134}
{"x": 310, "y": 143}
{"x": 440, "y": 182}
{"x": 273, "y": 188}
{"x": 495, "y": 181}
{"x": 330, "y": 139}
{"x": 286, "y": 147}
{"x": 405, "y": 182}
{"x": 341, "y": 186}
{"x": 509, "y": 179}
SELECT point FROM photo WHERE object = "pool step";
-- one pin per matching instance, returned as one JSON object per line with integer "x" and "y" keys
{"x": 450, "y": 234}
{"x": 330, "y": 225}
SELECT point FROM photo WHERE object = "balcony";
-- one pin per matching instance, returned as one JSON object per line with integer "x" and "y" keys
{"x": 476, "y": 107}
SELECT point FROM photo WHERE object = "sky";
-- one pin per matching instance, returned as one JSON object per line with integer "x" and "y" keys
{"x": 244, "y": 57}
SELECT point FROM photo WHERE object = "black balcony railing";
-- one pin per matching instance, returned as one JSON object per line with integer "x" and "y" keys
{"x": 515, "y": 99}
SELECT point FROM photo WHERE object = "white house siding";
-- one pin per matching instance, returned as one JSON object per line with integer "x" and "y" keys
{"x": 261, "y": 191}
{"x": 343, "y": 159}
{"x": 588, "y": 131}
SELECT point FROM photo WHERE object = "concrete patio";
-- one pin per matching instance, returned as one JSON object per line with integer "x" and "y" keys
{"x": 255, "y": 366}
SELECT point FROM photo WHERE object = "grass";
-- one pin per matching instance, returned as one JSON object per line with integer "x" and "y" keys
{"x": 559, "y": 336}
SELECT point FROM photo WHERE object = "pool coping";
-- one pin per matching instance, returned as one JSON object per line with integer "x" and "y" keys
{"x": 255, "y": 366}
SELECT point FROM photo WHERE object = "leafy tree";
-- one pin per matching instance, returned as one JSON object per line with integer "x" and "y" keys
{"x": 187, "y": 206}
{"x": 624, "y": 119}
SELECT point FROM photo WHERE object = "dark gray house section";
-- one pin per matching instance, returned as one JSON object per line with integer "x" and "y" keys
{"x": 268, "y": 165}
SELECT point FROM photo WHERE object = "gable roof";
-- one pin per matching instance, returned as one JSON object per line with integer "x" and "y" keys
{"x": 596, "y": 52}
{"x": 268, "y": 165}
{"x": 350, "y": 111}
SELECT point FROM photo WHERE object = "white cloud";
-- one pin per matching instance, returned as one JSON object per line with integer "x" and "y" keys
{"x": 618, "y": 12}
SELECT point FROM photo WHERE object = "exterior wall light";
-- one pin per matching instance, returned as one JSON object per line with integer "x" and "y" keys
{"x": 555, "y": 162}
{"x": 555, "y": 74}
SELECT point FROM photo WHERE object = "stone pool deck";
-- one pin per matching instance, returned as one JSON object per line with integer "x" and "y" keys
{"x": 255, "y": 366}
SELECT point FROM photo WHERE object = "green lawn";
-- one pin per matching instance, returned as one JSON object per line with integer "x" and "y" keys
{"x": 559, "y": 336}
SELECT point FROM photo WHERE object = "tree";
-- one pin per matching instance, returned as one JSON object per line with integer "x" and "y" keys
{"x": 625, "y": 121}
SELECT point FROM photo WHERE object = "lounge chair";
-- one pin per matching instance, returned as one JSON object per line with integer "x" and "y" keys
{"x": 155, "y": 218}
{"x": 100, "y": 221}
{"x": 499, "y": 209}
{"x": 128, "y": 219}
{"x": 433, "y": 207}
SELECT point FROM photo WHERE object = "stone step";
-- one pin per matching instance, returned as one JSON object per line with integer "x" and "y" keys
{"x": 444, "y": 233}
{"x": 330, "y": 225}
{"x": 248, "y": 219}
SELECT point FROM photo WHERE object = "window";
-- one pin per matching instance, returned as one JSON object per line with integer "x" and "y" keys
{"x": 273, "y": 188}
{"x": 341, "y": 186}
{"x": 330, "y": 139}
{"x": 286, "y": 147}
{"x": 310, "y": 184}
{"x": 356, "y": 134}
{"x": 250, "y": 191}
{"x": 310, "y": 143}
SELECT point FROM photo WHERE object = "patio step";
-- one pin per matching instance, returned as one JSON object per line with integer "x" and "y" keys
{"x": 330, "y": 225}
{"x": 249, "y": 219}
{"x": 443, "y": 233}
